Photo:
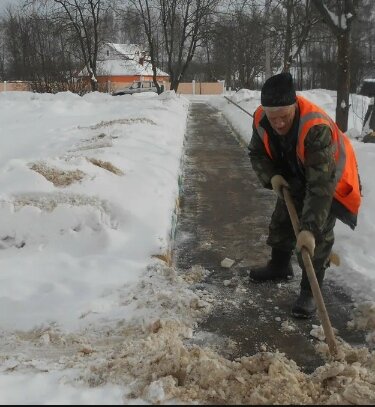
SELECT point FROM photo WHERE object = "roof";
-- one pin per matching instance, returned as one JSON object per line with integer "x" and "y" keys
{"x": 123, "y": 67}
{"x": 128, "y": 50}
{"x": 124, "y": 62}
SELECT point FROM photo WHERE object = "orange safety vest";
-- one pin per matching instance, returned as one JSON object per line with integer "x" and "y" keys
{"x": 347, "y": 180}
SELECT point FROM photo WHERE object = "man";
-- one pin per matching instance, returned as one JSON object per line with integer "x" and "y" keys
{"x": 296, "y": 145}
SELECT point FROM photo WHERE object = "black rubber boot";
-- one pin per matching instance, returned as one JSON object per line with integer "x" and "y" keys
{"x": 305, "y": 307}
{"x": 278, "y": 268}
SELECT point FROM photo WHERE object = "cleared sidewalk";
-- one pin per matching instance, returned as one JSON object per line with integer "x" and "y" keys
{"x": 225, "y": 213}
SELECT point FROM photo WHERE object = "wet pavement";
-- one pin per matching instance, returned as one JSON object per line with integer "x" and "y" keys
{"x": 225, "y": 213}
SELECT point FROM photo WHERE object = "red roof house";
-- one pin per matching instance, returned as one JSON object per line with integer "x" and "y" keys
{"x": 122, "y": 64}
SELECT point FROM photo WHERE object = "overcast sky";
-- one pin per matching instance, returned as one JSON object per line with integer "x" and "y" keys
{"x": 4, "y": 3}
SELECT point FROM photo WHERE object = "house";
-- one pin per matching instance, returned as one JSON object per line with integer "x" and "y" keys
{"x": 119, "y": 65}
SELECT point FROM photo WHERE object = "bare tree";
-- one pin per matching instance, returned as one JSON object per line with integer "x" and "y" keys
{"x": 84, "y": 18}
{"x": 320, "y": 59}
{"x": 299, "y": 20}
{"x": 184, "y": 23}
{"x": 363, "y": 36}
{"x": 34, "y": 52}
{"x": 17, "y": 34}
{"x": 239, "y": 39}
{"x": 181, "y": 25}
{"x": 125, "y": 25}
{"x": 2, "y": 51}
{"x": 267, "y": 66}
{"x": 149, "y": 15}
{"x": 340, "y": 24}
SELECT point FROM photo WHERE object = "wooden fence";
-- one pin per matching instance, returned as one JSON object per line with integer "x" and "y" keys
{"x": 14, "y": 86}
{"x": 200, "y": 88}
{"x": 184, "y": 88}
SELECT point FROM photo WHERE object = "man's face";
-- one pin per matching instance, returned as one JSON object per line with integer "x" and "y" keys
{"x": 281, "y": 118}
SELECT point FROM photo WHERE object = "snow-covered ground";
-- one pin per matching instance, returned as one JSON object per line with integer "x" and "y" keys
{"x": 90, "y": 312}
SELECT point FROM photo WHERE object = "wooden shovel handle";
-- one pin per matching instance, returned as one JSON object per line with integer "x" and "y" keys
{"x": 322, "y": 311}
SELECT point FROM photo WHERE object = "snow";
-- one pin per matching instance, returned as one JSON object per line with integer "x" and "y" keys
{"x": 89, "y": 194}
{"x": 338, "y": 21}
{"x": 106, "y": 219}
{"x": 131, "y": 51}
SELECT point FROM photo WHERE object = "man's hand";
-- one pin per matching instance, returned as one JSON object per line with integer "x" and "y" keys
{"x": 278, "y": 183}
{"x": 307, "y": 240}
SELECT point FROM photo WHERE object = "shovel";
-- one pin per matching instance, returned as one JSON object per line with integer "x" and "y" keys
{"x": 322, "y": 311}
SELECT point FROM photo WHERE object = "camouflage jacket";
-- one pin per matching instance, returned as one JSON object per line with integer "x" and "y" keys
{"x": 312, "y": 185}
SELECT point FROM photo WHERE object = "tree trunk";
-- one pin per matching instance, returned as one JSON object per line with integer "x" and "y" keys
{"x": 343, "y": 80}
{"x": 341, "y": 27}
{"x": 174, "y": 85}
{"x": 268, "y": 71}
{"x": 94, "y": 85}
{"x": 288, "y": 36}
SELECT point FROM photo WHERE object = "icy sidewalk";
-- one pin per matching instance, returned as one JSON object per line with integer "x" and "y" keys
{"x": 225, "y": 213}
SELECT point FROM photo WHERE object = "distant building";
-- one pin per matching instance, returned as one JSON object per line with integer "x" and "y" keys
{"x": 122, "y": 64}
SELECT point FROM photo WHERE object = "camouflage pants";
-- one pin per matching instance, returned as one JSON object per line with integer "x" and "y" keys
{"x": 281, "y": 236}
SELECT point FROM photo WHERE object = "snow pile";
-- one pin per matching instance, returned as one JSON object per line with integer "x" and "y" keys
{"x": 162, "y": 367}
{"x": 245, "y": 95}
{"x": 364, "y": 319}
{"x": 89, "y": 185}
{"x": 149, "y": 356}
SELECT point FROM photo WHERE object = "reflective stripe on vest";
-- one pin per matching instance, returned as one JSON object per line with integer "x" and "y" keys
{"x": 315, "y": 118}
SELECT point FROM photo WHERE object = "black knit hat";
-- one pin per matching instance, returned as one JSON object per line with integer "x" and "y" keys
{"x": 278, "y": 90}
